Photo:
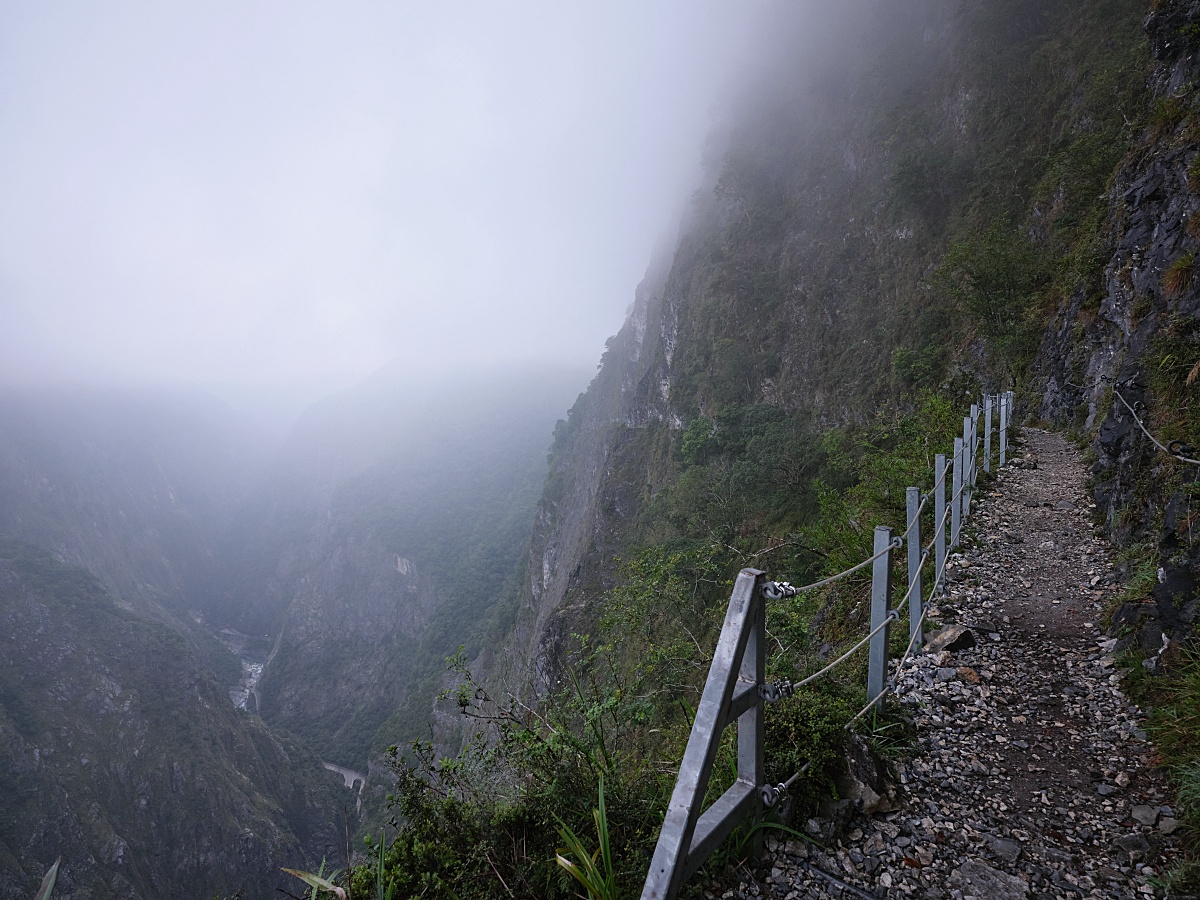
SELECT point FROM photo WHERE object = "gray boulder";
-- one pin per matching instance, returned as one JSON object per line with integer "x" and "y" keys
{"x": 979, "y": 881}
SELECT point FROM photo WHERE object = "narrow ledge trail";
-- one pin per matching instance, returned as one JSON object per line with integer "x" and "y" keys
{"x": 1032, "y": 777}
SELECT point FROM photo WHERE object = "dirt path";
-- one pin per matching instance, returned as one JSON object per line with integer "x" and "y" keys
{"x": 1033, "y": 777}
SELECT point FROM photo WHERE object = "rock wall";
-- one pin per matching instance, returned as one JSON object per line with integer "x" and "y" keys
{"x": 807, "y": 275}
{"x": 1139, "y": 338}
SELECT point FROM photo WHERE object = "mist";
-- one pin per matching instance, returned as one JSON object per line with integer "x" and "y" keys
{"x": 278, "y": 197}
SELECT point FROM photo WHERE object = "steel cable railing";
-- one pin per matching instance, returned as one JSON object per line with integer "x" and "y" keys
{"x": 893, "y": 616}
{"x": 687, "y": 837}
{"x": 912, "y": 585}
{"x": 942, "y": 524}
{"x": 911, "y": 642}
{"x": 776, "y": 791}
{"x": 1165, "y": 448}
{"x": 778, "y": 590}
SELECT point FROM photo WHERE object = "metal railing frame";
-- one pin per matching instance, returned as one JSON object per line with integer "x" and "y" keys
{"x": 732, "y": 693}
{"x": 736, "y": 688}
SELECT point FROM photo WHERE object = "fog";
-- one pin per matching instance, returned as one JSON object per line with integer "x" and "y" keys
{"x": 291, "y": 195}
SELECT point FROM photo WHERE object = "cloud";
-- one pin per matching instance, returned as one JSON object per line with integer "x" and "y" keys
{"x": 260, "y": 192}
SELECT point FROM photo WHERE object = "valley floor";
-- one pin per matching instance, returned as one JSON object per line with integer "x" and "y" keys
{"x": 1033, "y": 776}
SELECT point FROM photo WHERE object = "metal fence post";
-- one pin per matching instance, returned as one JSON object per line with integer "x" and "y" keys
{"x": 974, "y": 443}
{"x": 968, "y": 455}
{"x": 913, "y": 499}
{"x": 1012, "y": 400}
{"x": 1003, "y": 428}
{"x": 751, "y": 730}
{"x": 956, "y": 493}
{"x": 689, "y": 833}
{"x": 881, "y": 597}
{"x": 939, "y": 517}
{"x": 987, "y": 433}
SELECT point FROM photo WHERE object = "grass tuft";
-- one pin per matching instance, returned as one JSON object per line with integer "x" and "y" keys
{"x": 1179, "y": 276}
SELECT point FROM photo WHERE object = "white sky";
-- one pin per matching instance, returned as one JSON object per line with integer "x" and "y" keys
{"x": 267, "y": 193}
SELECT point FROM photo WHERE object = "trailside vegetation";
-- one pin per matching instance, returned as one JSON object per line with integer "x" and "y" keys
{"x": 491, "y": 820}
{"x": 821, "y": 353}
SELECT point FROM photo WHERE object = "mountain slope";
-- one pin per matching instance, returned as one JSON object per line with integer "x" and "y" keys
{"x": 115, "y": 741}
{"x": 899, "y": 214}
{"x": 357, "y": 557}
{"x": 385, "y": 541}
{"x": 138, "y": 487}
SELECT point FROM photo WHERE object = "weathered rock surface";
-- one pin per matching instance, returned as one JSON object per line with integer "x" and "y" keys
{"x": 1088, "y": 352}
{"x": 952, "y": 637}
{"x": 979, "y": 881}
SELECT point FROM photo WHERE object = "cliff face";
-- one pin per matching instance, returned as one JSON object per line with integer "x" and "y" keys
{"x": 896, "y": 223}
{"x": 1140, "y": 335}
{"x": 347, "y": 653}
{"x": 573, "y": 519}
{"x": 114, "y": 740}
{"x": 384, "y": 542}
{"x": 150, "y": 536}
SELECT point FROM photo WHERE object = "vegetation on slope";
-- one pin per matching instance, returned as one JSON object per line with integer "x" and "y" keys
{"x": 388, "y": 540}
{"x": 120, "y": 754}
{"x": 873, "y": 254}
{"x": 623, "y": 711}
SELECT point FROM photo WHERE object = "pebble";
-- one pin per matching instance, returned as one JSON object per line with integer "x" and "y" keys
{"x": 1032, "y": 776}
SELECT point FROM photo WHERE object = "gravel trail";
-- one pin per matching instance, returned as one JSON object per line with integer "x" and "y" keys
{"x": 1033, "y": 777}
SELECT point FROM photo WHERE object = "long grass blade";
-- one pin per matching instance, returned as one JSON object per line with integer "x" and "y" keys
{"x": 316, "y": 881}
{"x": 601, "y": 817}
{"x": 47, "y": 887}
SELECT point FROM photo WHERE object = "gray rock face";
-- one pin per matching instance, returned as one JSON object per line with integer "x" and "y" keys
{"x": 866, "y": 782}
{"x": 1134, "y": 848}
{"x": 952, "y": 637}
{"x": 1004, "y": 849}
{"x": 1144, "y": 815}
{"x": 1087, "y": 354}
{"x": 979, "y": 881}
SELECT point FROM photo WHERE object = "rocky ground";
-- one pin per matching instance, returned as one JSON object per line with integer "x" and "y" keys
{"x": 1033, "y": 777}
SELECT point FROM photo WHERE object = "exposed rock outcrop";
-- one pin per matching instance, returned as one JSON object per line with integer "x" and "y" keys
{"x": 1135, "y": 338}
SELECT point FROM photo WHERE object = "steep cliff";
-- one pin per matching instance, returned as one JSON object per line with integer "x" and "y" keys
{"x": 383, "y": 542}
{"x": 121, "y": 754}
{"x": 898, "y": 214}
{"x": 1138, "y": 337}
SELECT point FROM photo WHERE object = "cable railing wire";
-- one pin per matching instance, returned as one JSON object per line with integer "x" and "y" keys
{"x": 1165, "y": 448}
{"x": 892, "y": 616}
{"x": 1177, "y": 449}
{"x": 777, "y": 590}
{"x": 890, "y": 688}
{"x": 942, "y": 477}
{"x": 916, "y": 518}
{"x": 769, "y": 794}
{"x": 938, "y": 526}
{"x": 912, "y": 584}
{"x": 774, "y": 792}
